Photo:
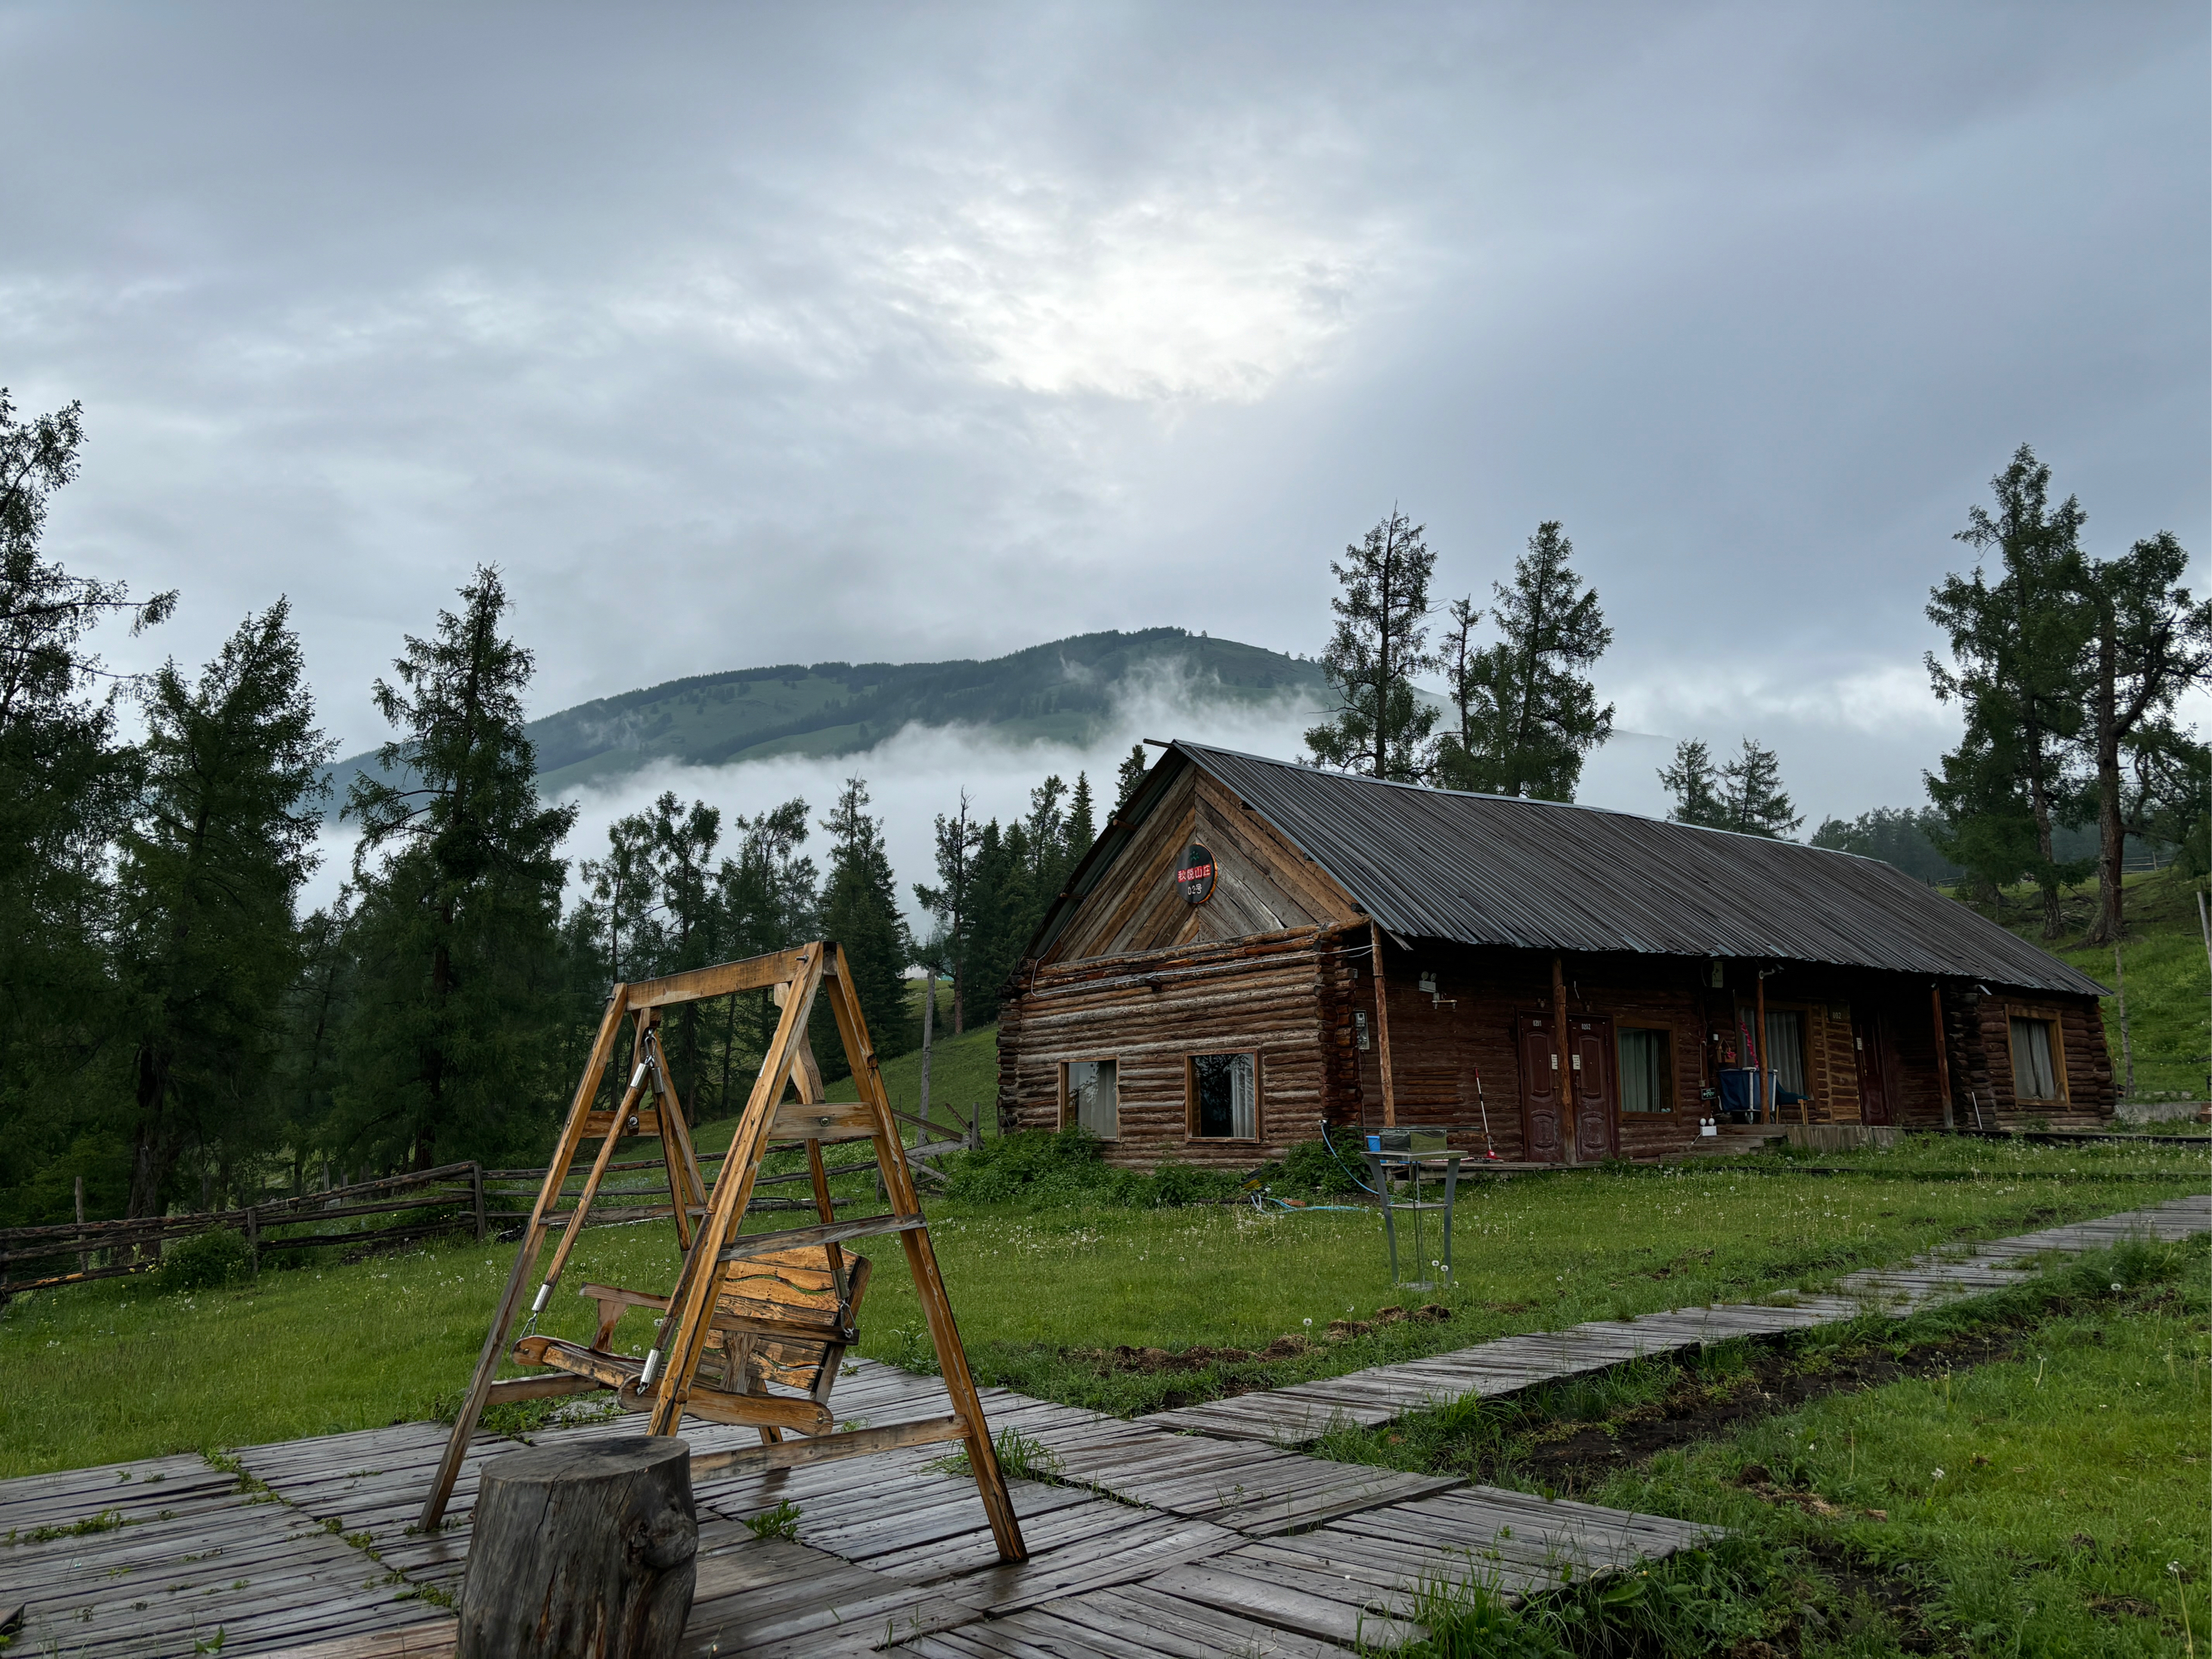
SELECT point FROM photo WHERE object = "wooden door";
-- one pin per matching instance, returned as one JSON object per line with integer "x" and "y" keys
{"x": 1875, "y": 1104}
{"x": 1596, "y": 1099}
{"x": 1540, "y": 1094}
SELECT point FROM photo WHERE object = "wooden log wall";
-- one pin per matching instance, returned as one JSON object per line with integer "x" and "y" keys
{"x": 2090, "y": 1088}
{"x": 1149, "y": 1012}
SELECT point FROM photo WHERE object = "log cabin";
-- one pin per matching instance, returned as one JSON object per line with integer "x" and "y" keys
{"x": 1254, "y": 949}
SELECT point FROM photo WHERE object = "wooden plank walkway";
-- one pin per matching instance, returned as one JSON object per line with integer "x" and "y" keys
{"x": 1306, "y": 1411}
{"x": 1148, "y": 1543}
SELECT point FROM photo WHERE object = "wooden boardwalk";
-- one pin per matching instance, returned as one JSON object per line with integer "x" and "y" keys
{"x": 1153, "y": 1542}
{"x": 1305, "y": 1411}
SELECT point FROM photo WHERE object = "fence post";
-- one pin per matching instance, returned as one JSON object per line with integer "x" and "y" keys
{"x": 253, "y": 1240}
{"x": 83, "y": 1256}
{"x": 976, "y": 1127}
{"x": 476, "y": 1182}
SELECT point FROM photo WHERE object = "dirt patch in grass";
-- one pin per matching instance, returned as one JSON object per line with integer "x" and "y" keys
{"x": 1200, "y": 1357}
{"x": 1570, "y": 1457}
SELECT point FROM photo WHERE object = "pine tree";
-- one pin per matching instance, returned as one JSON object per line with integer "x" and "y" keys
{"x": 692, "y": 926}
{"x": 1129, "y": 774}
{"x": 768, "y": 900}
{"x": 1753, "y": 801}
{"x": 1381, "y": 727}
{"x": 454, "y": 1047}
{"x": 952, "y": 900}
{"x": 1528, "y": 714}
{"x": 1082, "y": 829}
{"x": 2153, "y": 642}
{"x": 223, "y": 834}
{"x": 1695, "y": 785}
{"x": 618, "y": 914}
{"x": 65, "y": 786}
{"x": 859, "y": 910}
{"x": 2020, "y": 648}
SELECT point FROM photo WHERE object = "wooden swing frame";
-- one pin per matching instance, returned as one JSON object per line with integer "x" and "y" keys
{"x": 666, "y": 1383}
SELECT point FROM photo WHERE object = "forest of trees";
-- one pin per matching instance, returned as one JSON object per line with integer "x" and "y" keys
{"x": 176, "y": 1032}
{"x": 2069, "y": 670}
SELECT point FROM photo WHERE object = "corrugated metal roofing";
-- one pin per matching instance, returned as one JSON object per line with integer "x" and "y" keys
{"x": 1492, "y": 870}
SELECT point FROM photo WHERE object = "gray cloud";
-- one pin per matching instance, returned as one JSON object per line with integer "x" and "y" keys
{"x": 902, "y": 333}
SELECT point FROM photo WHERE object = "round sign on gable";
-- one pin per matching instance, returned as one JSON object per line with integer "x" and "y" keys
{"x": 1195, "y": 875}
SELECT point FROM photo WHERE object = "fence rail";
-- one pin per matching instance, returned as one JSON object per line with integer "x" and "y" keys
{"x": 75, "y": 1252}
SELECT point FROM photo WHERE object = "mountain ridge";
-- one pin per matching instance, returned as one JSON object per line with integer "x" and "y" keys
{"x": 1063, "y": 689}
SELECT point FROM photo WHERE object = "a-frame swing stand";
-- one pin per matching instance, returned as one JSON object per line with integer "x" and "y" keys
{"x": 745, "y": 1309}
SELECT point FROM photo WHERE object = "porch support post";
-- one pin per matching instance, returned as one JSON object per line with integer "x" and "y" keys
{"x": 1383, "y": 1029}
{"x": 1942, "y": 1050}
{"x": 1767, "y": 1112}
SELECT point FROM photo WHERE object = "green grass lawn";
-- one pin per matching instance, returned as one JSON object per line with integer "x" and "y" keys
{"x": 2035, "y": 1503}
{"x": 107, "y": 1371}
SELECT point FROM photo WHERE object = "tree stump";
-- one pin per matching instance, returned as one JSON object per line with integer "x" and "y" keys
{"x": 581, "y": 1551}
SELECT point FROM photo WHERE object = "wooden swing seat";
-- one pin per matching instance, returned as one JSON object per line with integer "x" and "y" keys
{"x": 778, "y": 1320}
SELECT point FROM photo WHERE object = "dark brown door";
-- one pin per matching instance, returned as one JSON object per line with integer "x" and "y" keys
{"x": 1598, "y": 1112}
{"x": 1540, "y": 1094}
{"x": 1874, "y": 1106}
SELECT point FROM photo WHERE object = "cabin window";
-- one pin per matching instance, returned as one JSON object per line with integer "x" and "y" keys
{"x": 1225, "y": 1097}
{"x": 1785, "y": 1048}
{"x": 1090, "y": 1098}
{"x": 2034, "y": 1074}
{"x": 1644, "y": 1072}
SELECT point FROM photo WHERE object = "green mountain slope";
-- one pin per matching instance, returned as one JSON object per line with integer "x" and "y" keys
{"x": 1063, "y": 690}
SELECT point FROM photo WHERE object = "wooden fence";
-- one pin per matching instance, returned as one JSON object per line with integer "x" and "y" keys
{"x": 464, "y": 1198}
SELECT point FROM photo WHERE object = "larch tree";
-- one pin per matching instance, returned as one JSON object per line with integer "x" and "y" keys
{"x": 65, "y": 790}
{"x": 691, "y": 923}
{"x": 1695, "y": 783}
{"x": 1751, "y": 800}
{"x": 1129, "y": 774}
{"x": 1381, "y": 727}
{"x": 1528, "y": 714}
{"x": 952, "y": 901}
{"x": 2153, "y": 642}
{"x": 454, "y": 1043}
{"x": 2020, "y": 648}
{"x": 222, "y": 836}
{"x": 859, "y": 911}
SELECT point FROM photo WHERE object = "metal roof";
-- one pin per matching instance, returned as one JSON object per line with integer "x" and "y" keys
{"x": 1546, "y": 875}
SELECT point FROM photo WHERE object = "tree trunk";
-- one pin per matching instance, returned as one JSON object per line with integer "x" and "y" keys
{"x": 2111, "y": 926}
{"x": 581, "y": 1551}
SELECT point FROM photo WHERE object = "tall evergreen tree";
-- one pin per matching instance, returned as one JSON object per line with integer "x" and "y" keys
{"x": 1082, "y": 823}
{"x": 2020, "y": 664}
{"x": 65, "y": 786}
{"x": 314, "y": 1018}
{"x": 1753, "y": 800}
{"x": 223, "y": 834}
{"x": 2153, "y": 642}
{"x": 952, "y": 899}
{"x": 859, "y": 910}
{"x": 1528, "y": 714}
{"x": 1696, "y": 786}
{"x": 622, "y": 897}
{"x": 1381, "y": 728}
{"x": 1129, "y": 774}
{"x": 453, "y": 1047}
{"x": 768, "y": 900}
{"x": 692, "y": 926}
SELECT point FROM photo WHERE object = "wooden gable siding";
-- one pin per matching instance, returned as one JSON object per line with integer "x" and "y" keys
{"x": 1264, "y": 884}
{"x": 1150, "y": 1011}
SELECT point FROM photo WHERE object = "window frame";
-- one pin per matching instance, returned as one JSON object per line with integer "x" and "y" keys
{"x": 1066, "y": 1121}
{"x": 1666, "y": 1029}
{"x": 1190, "y": 1133}
{"x": 2048, "y": 1016}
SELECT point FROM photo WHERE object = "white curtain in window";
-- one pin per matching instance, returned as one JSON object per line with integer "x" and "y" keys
{"x": 1642, "y": 1071}
{"x": 1786, "y": 1048}
{"x": 1091, "y": 1100}
{"x": 1243, "y": 1097}
{"x": 2032, "y": 1075}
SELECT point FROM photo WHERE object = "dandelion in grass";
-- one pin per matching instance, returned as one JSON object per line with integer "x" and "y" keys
{"x": 1939, "y": 1474}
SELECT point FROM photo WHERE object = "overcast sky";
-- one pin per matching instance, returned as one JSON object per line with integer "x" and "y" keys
{"x": 739, "y": 335}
